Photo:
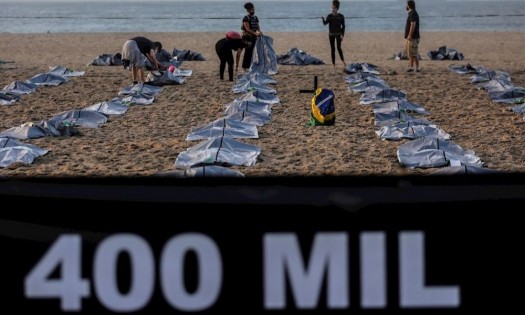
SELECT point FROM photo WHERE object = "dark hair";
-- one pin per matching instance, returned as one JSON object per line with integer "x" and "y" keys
{"x": 411, "y": 4}
{"x": 248, "y": 6}
{"x": 335, "y": 3}
{"x": 158, "y": 45}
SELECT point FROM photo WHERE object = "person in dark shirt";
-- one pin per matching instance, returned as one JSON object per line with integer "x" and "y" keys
{"x": 133, "y": 53}
{"x": 225, "y": 47}
{"x": 250, "y": 27}
{"x": 412, "y": 36}
{"x": 336, "y": 31}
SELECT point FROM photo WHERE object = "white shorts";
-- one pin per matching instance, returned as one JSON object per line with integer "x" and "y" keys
{"x": 131, "y": 52}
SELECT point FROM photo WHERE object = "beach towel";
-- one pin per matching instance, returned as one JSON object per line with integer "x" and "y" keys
{"x": 323, "y": 108}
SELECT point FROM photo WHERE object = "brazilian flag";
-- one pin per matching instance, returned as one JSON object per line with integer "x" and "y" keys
{"x": 323, "y": 108}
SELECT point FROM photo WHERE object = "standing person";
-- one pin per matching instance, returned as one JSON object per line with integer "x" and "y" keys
{"x": 412, "y": 36}
{"x": 225, "y": 47}
{"x": 250, "y": 27}
{"x": 336, "y": 31}
{"x": 133, "y": 53}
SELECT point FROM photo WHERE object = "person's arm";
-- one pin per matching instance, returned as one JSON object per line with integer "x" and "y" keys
{"x": 258, "y": 31}
{"x": 154, "y": 62}
{"x": 342, "y": 26}
{"x": 248, "y": 29}
{"x": 411, "y": 30}
{"x": 327, "y": 20}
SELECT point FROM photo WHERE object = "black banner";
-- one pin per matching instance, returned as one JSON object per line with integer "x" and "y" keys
{"x": 261, "y": 246}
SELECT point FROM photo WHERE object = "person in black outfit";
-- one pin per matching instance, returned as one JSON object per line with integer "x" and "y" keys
{"x": 250, "y": 27}
{"x": 224, "y": 48}
{"x": 336, "y": 31}
{"x": 133, "y": 53}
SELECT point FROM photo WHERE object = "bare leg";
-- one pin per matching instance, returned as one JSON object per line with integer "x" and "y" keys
{"x": 409, "y": 56}
{"x": 133, "y": 73}
{"x": 141, "y": 74}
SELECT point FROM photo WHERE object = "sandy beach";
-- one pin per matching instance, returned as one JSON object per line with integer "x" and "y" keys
{"x": 146, "y": 140}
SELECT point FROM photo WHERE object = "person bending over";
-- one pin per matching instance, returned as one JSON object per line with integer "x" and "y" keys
{"x": 133, "y": 53}
{"x": 225, "y": 47}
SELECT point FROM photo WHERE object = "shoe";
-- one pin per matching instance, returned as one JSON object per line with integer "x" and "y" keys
{"x": 418, "y": 70}
{"x": 410, "y": 70}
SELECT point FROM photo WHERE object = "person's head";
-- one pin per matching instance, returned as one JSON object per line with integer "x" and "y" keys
{"x": 158, "y": 46}
{"x": 335, "y": 5}
{"x": 250, "y": 8}
{"x": 411, "y": 5}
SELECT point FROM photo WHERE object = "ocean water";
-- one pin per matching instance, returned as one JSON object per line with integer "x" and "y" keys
{"x": 285, "y": 16}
